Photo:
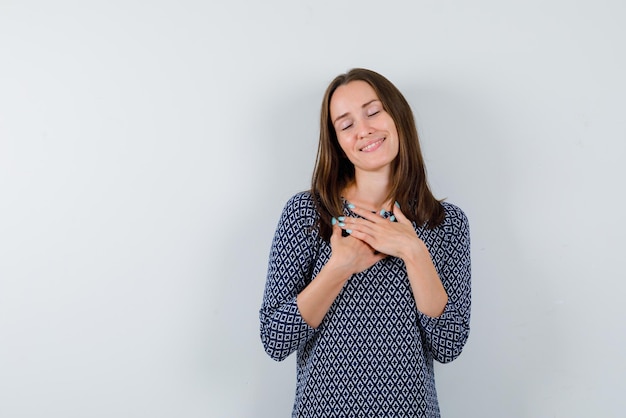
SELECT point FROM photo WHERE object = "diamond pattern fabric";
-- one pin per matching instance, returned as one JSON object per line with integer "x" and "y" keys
{"x": 372, "y": 355}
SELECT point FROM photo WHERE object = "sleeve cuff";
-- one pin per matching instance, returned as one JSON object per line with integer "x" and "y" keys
{"x": 430, "y": 322}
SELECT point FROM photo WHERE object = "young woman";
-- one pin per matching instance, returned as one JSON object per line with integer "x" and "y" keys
{"x": 369, "y": 274}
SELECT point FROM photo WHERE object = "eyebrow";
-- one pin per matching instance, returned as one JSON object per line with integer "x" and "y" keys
{"x": 363, "y": 106}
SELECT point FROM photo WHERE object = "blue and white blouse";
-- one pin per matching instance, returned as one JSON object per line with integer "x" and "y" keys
{"x": 372, "y": 355}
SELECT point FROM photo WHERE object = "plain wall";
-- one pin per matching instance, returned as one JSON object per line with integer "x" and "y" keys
{"x": 148, "y": 147}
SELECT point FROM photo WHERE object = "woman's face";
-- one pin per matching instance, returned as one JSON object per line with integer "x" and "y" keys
{"x": 365, "y": 131}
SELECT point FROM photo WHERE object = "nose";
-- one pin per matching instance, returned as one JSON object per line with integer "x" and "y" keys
{"x": 363, "y": 128}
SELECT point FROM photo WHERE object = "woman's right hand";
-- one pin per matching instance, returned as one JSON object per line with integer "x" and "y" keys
{"x": 351, "y": 253}
{"x": 349, "y": 256}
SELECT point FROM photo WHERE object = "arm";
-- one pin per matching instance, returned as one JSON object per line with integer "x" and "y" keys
{"x": 293, "y": 304}
{"x": 441, "y": 287}
{"x": 399, "y": 239}
{"x": 349, "y": 256}
{"x": 447, "y": 333}
{"x": 282, "y": 328}
{"x": 428, "y": 291}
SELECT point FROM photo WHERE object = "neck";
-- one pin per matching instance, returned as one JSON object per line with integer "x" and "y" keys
{"x": 369, "y": 191}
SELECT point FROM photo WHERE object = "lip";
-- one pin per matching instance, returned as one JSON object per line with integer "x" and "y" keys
{"x": 373, "y": 145}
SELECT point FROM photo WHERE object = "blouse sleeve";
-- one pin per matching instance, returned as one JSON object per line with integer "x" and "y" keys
{"x": 448, "y": 333}
{"x": 283, "y": 330}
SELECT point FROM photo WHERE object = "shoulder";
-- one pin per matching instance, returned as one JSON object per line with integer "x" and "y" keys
{"x": 302, "y": 202}
{"x": 455, "y": 229}
{"x": 455, "y": 219}
{"x": 302, "y": 207}
{"x": 301, "y": 199}
{"x": 453, "y": 212}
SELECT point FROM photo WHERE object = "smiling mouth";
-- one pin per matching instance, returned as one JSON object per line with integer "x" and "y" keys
{"x": 373, "y": 145}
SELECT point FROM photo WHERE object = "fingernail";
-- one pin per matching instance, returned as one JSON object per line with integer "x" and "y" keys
{"x": 392, "y": 218}
{"x": 382, "y": 212}
{"x": 341, "y": 224}
{"x": 351, "y": 206}
{"x": 333, "y": 221}
{"x": 349, "y": 231}
{"x": 341, "y": 218}
{"x": 397, "y": 204}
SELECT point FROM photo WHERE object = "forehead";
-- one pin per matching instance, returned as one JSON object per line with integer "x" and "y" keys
{"x": 350, "y": 97}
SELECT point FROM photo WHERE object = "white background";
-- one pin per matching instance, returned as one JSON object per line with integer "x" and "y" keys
{"x": 148, "y": 147}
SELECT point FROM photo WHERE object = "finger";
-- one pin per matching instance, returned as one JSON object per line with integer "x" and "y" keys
{"x": 336, "y": 229}
{"x": 351, "y": 225}
{"x": 359, "y": 234}
{"x": 366, "y": 214}
{"x": 398, "y": 213}
{"x": 385, "y": 214}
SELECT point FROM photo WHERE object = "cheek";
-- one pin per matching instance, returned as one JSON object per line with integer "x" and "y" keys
{"x": 344, "y": 143}
{"x": 396, "y": 142}
{"x": 346, "y": 149}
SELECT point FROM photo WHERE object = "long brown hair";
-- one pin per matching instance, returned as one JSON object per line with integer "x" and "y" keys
{"x": 333, "y": 171}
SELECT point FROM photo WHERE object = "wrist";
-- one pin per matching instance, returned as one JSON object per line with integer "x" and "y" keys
{"x": 338, "y": 269}
{"x": 414, "y": 253}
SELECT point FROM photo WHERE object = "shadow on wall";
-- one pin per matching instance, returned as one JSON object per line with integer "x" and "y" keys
{"x": 293, "y": 123}
{"x": 277, "y": 163}
{"x": 472, "y": 164}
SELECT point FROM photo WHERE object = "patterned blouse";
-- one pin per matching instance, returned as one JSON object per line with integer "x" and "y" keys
{"x": 372, "y": 355}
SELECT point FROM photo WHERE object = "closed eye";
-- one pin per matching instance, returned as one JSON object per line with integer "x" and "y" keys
{"x": 373, "y": 110}
{"x": 345, "y": 125}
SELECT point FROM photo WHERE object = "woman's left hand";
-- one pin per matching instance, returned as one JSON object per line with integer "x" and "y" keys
{"x": 397, "y": 239}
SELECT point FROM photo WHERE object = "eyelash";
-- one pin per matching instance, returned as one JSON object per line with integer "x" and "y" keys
{"x": 370, "y": 115}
